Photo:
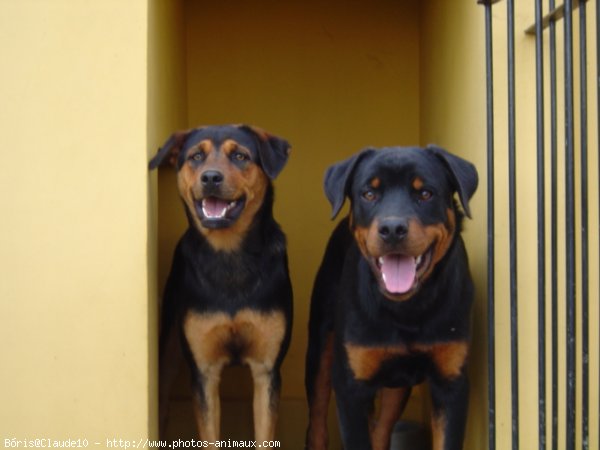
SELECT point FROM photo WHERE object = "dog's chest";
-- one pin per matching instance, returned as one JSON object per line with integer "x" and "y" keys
{"x": 368, "y": 362}
{"x": 247, "y": 337}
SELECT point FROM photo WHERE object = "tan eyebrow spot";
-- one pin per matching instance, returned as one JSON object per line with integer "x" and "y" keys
{"x": 418, "y": 184}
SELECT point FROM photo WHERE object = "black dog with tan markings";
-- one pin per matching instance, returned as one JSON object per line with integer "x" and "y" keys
{"x": 228, "y": 298}
{"x": 391, "y": 302}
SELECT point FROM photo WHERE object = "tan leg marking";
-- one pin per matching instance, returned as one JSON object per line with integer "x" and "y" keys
{"x": 393, "y": 402}
{"x": 208, "y": 418}
{"x": 265, "y": 403}
{"x": 207, "y": 336}
{"x": 438, "y": 428}
{"x": 264, "y": 333}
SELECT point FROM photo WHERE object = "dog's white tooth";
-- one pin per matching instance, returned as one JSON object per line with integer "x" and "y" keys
{"x": 419, "y": 259}
{"x": 380, "y": 260}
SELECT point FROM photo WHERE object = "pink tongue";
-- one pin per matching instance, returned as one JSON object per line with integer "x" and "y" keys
{"x": 398, "y": 273}
{"x": 213, "y": 207}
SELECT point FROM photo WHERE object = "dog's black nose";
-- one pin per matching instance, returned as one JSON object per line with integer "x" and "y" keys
{"x": 211, "y": 178}
{"x": 393, "y": 229}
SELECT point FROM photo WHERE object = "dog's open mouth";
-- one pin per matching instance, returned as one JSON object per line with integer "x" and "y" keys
{"x": 400, "y": 274}
{"x": 216, "y": 212}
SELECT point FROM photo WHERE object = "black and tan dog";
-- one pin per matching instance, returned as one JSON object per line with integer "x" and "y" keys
{"x": 228, "y": 298}
{"x": 391, "y": 302}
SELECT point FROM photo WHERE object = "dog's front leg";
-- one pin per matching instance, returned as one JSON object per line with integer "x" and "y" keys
{"x": 205, "y": 337}
{"x": 393, "y": 402}
{"x": 354, "y": 401}
{"x": 207, "y": 404}
{"x": 450, "y": 399}
{"x": 267, "y": 384}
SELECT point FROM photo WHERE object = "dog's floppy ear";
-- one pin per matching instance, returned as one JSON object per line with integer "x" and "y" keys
{"x": 273, "y": 151}
{"x": 338, "y": 177}
{"x": 464, "y": 175}
{"x": 169, "y": 151}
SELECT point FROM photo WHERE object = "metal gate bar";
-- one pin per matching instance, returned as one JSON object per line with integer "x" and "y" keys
{"x": 512, "y": 219}
{"x": 490, "y": 230}
{"x": 570, "y": 224}
{"x": 584, "y": 228}
{"x": 554, "y": 225}
{"x": 541, "y": 225}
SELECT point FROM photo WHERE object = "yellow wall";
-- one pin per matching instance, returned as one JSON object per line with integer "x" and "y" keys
{"x": 73, "y": 234}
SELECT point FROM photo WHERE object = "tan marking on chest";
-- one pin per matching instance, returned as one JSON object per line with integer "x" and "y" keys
{"x": 253, "y": 336}
{"x": 449, "y": 357}
{"x": 365, "y": 362}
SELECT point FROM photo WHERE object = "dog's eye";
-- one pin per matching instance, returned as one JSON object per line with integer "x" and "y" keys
{"x": 199, "y": 156}
{"x": 425, "y": 195}
{"x": 239, "y": 156}
{"x": 369, "y": 196}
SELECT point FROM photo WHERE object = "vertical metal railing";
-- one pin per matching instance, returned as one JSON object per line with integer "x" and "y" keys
{"x": 491, "y": 270}
{"x": 554, "y": 225}
{"x": 570, "y": 225}
{"x": 512, "y": 224}
{"x": 584, "y": 226}
{"x": 541, "y": 223}
{"x": 575, "y": 185}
